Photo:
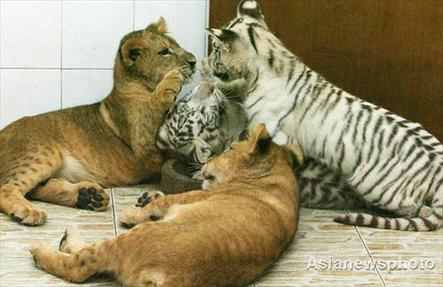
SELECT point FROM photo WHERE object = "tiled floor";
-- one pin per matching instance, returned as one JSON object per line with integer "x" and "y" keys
{"x": 323, "y": 254}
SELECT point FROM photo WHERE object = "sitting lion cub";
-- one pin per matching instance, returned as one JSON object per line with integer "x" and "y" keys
{"x": 66, "y": 157}
{"x": 226, "y": 235}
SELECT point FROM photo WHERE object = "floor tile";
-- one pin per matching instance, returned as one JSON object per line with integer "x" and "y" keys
{"x": 16, "y": 265}
{"x": 323, "y": 253}
{"x": 406, "y": 258}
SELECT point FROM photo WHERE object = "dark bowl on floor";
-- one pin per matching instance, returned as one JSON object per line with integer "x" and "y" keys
{"x": 175, "y": 178}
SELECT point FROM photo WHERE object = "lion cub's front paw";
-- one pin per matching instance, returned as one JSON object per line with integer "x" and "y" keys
{"x": 36, "y": 250}
{"x": 148, "y": 197}
{"x": 170, "y": 86}
{"x": 92, "y": 198}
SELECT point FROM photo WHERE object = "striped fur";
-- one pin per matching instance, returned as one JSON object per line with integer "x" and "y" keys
{"x": 200, "y": 125}
{"x": 388, "y": 162}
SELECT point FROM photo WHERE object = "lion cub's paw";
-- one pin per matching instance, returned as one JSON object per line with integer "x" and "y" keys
{"x": 131, "y": 216}
{"x": 29, "y": 215}
{"x": 92, "y": 198}
{"x": 170, "y": 86}
{"x": 174, "y": 79}
{"x": 148, "y": 197}
{"x": 36, "y": 250}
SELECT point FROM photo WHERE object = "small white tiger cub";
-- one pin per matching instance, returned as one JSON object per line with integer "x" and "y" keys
{"x": 201, "y": 125}
{"x": 389, "y": 162}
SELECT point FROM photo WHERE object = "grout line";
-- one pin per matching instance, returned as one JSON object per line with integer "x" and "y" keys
{"x": 0, "y": 72}
{"x": 370, "y": 255}
{"x": 43, "y": 68}
{"x": 133, "y": 15}
{"x": 113, "y": 212}
{"x": 206, "y": 36}
{"x": 61, "y": 55}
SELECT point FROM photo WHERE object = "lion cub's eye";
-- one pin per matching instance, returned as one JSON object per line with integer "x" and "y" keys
{"x": 164, "y": 52}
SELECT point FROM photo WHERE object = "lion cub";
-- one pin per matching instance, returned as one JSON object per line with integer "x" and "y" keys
{"x": 226, "y": 235}
{"x": 66, "y": 157}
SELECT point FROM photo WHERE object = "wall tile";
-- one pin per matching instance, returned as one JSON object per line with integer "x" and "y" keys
{"x": 82, "y": 87}
{"x": 92, "y": 31}
{"x": 188, "y": 30}
{"x": 30, "y": 34}
{"x": 28, "y": 92}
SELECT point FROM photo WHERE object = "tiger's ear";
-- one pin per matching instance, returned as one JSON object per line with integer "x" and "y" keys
{"x": 295, "y": 155}
{"x": 224, "y": 35}
{"x": 260, "y": 140}
{"x": 159, "y": 27}
{"x": 250, "y": 8}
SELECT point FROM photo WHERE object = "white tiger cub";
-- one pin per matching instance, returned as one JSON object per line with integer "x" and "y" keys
{"x": 391, "y": 163}
{"x": 200, "y": 125}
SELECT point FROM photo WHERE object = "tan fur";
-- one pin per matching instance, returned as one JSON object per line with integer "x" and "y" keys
{"x": 226, "y": 235}
{"x": 111, "y": 143}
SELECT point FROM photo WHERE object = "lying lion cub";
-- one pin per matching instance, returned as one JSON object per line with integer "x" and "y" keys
{"x": 226, "y": 235}
{"x": 66, "y": 157}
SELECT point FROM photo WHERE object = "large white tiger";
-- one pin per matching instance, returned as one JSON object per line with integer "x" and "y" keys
{"x": 388, "y": 162}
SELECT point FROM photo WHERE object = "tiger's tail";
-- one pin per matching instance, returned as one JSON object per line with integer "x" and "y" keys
{"x": 425, "y": 221}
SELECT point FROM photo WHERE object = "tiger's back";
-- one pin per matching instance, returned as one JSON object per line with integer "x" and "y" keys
{"x": 385, "y": 160}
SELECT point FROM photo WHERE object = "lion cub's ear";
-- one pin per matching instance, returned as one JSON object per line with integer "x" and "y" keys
{"x": 295, "y": 154}
{"x": 260, "y": 140}
{"x": 130, "y": 51}
{"x": 159, "y": 27}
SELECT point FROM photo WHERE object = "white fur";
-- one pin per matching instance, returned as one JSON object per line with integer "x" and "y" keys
{"x": 249, "y": 5}
{"x": 73, "y": 170}
{"x": 361, "y": 155}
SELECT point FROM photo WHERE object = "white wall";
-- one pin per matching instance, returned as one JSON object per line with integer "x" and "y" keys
{"x": 59, "y": 53}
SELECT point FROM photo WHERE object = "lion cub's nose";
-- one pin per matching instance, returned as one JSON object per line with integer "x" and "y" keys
{"x": 192, "y": 63}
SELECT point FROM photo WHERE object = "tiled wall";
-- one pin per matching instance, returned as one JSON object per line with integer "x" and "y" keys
{"x": 59, "y": 53}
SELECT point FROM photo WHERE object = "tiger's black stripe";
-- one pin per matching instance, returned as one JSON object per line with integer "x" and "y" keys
{"x": 252, "y": 38}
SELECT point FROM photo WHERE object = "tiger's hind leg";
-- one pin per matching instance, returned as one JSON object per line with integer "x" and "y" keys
{"x": 83, "y": 195}
{"x": 25, "y": 173}
{"x": 323, "y": 187}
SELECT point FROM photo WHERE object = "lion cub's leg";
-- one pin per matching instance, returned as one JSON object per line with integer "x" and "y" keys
{"x": 158, "y": 208}
{"x": 25, "y": 173}
{"x": 76, "y": 267}
{"x": 84, "y": 195}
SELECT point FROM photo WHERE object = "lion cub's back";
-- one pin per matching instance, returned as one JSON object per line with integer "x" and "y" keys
{"x": 77, "y": 132}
